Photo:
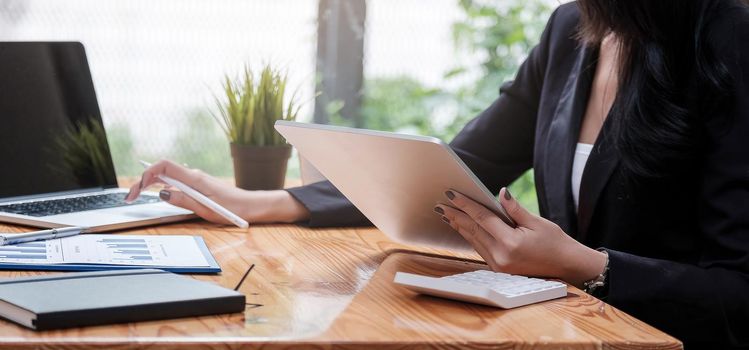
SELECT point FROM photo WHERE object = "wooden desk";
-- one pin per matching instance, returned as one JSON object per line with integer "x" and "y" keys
{"x": 332, "y": 289}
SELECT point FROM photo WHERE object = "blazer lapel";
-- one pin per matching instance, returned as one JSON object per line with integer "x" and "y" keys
{"x": 562, "y": 140}
{"x": 601, "y": 164}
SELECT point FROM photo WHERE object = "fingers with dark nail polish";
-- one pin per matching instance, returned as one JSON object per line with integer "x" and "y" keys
{"x": 165, "y": 195}
{"x": 445, "y": 219}
{"x": 439, "y": 210}
{"x": 450, "y": 195}
{"x": 508, "y": 196}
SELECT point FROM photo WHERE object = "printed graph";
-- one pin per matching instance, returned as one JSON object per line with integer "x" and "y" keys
{"x": 134, "y": 250}
{"x": 108, "y": 249}
{"x": 24, "y": 251}
{"x": 32, "y": 253}
{"x": 127, "y": 249}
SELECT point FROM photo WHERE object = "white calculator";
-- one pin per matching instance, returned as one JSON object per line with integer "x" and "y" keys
{"x": 485, "y": 287}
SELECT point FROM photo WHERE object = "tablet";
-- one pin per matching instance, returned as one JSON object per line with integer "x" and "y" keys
{"x": 395, "y": 180}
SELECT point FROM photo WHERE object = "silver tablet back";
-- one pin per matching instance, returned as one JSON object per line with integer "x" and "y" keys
{"x": 394, "y": 180}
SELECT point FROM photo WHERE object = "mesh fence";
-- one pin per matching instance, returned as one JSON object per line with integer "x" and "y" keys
{"x": 157, "y": 64}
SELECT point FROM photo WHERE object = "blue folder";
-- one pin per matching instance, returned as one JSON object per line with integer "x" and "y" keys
{"x": 212, "y": 267}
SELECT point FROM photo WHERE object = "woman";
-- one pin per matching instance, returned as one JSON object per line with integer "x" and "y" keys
{"x": 634, "y": 115}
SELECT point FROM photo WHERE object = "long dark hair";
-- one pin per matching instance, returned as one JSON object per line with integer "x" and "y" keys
{"x": 670, "y": 77}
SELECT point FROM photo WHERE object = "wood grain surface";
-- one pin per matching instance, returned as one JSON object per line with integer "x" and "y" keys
{"x": 332, "y": 288}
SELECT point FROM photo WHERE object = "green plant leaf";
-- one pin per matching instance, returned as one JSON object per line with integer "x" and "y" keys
{"x": 253, "y": 103}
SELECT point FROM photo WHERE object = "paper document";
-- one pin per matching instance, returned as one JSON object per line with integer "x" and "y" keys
{"x": 108, "y": 249}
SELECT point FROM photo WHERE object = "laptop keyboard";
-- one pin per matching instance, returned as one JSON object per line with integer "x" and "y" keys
{"x": 75, "y": 204}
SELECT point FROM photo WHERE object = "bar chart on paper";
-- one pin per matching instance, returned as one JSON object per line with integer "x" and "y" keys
{"x": 108, "y": 250}
{"x": 126, "y": 249}
{"x": 133, "y": 250}
{"x": 33, "y": 252}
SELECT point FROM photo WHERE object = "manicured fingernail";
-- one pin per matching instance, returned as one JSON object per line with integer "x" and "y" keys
{"x": 445, "y": 219}
{"x": 508, "y": 196}
{"x": 439, "y": 210}
{"x": 165, "y": 195}
{"x": 450, "y": 195}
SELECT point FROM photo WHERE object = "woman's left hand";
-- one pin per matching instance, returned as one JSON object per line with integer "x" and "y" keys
{"x": 536, "y": 247}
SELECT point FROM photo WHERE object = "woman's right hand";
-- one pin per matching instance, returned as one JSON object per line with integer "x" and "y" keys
{"x": 253, "y": 206}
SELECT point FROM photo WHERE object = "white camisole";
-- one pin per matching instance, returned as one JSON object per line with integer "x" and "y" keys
{"x": 582, "y": 152}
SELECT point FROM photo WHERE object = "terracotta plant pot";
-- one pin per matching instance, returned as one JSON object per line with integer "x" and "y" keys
{"x": 260, "y": 167}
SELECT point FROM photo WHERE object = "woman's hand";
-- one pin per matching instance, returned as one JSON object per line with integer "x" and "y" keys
{"x": 253, "y": 206}
{"x": 536, "y": 247}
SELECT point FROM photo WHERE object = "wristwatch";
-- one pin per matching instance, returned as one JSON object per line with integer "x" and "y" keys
{"x": 599, "y": 282}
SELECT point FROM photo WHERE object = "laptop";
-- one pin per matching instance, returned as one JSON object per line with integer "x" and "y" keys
{"x": 395, "y": 180}
{"x": 56, "y": 168}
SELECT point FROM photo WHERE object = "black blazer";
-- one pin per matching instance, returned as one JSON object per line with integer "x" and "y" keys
{"x": 678, "y": 248}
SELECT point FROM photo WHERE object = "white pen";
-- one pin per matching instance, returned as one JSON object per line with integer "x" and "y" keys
{"x": 202, "y": 199}
{"x": 7, "y": 239}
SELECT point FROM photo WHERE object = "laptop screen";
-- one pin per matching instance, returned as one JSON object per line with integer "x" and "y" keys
{"x": 51, "y": 135}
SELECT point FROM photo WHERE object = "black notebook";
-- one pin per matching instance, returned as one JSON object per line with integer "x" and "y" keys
{"x": 104, "y": 297}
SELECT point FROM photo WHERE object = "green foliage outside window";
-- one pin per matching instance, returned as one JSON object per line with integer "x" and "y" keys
{"x": 502, "y": 33}
{"x": 201, "y": 145}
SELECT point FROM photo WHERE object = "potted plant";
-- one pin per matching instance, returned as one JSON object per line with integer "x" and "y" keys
{"x": 248, "y": 112}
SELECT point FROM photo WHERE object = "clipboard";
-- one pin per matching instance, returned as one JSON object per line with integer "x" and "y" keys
{"x": 212, "y": 264}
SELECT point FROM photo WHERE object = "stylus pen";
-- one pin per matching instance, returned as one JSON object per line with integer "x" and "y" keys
{"x": 202, "y": 199}
{"x": 43, "y": 235}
